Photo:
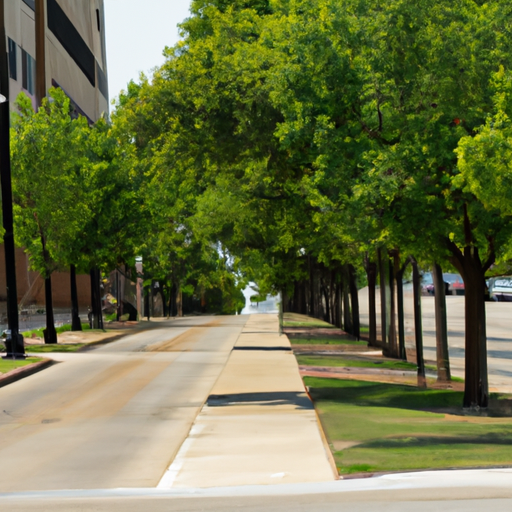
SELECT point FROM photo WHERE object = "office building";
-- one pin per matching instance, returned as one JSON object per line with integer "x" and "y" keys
{"x": 74, "y": 60}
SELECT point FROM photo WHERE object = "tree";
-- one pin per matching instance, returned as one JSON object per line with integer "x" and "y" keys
{"x": 48, "y": 204}
{"x": 313, "y": 132}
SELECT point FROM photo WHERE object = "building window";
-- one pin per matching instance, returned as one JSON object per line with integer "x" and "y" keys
{"x": 31, "y": 4}
{"x": 69, "y": 37}
{"x": 13, "y": 62}
{"x": 28, "y": 65}
{"x": 98, "y": 20}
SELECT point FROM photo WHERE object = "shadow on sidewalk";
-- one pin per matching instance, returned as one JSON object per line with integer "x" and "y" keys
{"x": 277, "y": 398}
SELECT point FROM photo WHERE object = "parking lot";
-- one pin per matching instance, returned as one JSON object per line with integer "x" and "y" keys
{"x": 499, "y": 333}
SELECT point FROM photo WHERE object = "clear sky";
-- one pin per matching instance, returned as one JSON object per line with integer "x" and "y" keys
{"x": 137, "y": 31}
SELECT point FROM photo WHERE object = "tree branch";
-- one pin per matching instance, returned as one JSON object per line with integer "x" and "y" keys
{"x": 457, "y": 258}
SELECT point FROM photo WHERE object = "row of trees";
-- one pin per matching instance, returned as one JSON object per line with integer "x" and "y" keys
{"x": 82, "y": 204}
{"x": 311, "y": 135}
{"x": 304, "y": 143}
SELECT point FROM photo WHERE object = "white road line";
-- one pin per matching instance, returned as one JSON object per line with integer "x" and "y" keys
{"x": 173, "y": 470}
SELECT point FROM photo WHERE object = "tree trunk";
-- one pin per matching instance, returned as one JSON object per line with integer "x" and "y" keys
{"x": 76, "y": 324}
{"x": 418, "y": 327}
{"x": 371, "y": 273}
{"x": 203, "y": 301}
{"x": 338, "y": 306}
{"x": 50, "y": 334}
{"x": 476, "y": 390}
{"x": 392, "y": 333}
{"x": 179, "y": 301}
{"x": 476, "y": 386}
{"x": 311, "y": 311}
{"x": 171, "y": 297}
{"x": 147, "y": 302}
{"x": 347, "y": 313}
{"x": 303, "y": 307}
{"x": 332, "y": 297}
{"x": 399, "y": 274}
{"x": 384, "y": 310}
{"x": 327, "y": 314}
{"x": 97, "y": 313}
{"x": 354, "y": 301}
{"x": 401, "y": 320}
{"x": 118, "y": 298}
{"x": 443, "y": 360}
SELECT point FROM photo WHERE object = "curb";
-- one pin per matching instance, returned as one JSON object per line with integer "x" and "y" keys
{"x": 325, "y": 442}
{"x": 104, "y": 341}
{"x": 25, "y": 371}
{"x": 115, "y": 337}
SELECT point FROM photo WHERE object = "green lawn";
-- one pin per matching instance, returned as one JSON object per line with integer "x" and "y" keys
{"x": 64, "y": 328}
{"x": 331, "y": 340}
{"x": 394, "y": 428}
{"x": 296, "y": 320}
{"x": 334, "y": 360}
{"x": 6, "y": 365}
{"x": 58, "y": 347}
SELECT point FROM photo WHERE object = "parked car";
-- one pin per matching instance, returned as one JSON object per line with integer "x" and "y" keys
{"x": 453, "y": 284}
{"x": 500, "y": 288}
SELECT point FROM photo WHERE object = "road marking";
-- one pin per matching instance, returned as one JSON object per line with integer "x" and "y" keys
{"x": 172, "y": 472}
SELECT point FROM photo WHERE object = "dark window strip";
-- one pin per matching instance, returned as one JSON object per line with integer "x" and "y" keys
{"x": 13, "y": 61}
{"x": 24, "y": 69}
{"x": 102, "y": 81}
{"x": 27, "y": 72}
{"x": 71, "y": 40}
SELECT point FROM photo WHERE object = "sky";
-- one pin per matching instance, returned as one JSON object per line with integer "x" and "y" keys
{"x": 137, "y": 31}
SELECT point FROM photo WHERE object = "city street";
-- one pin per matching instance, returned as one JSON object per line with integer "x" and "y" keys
{"x": 100, "y": 429}
{"x": 115, "y": 416}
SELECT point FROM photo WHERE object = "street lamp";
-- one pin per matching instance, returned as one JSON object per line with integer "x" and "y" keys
{"x": 14, "y": 342}
{"x": 138, "y": 269}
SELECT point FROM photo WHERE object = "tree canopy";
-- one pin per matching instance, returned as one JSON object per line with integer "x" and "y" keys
{"x": 291, "y": 141}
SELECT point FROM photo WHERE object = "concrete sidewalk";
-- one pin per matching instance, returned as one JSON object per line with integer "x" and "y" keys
{"x": 258, "y": 426}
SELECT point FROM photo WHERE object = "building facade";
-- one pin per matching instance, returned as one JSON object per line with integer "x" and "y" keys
{"x": 75, "y": 52}
{"x": 74, "y": 60}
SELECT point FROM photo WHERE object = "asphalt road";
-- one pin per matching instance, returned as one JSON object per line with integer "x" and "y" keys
{"x": 113, "y": 417}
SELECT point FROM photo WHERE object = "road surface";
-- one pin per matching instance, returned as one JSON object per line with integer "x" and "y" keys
{"x": 115, "y": 416}
{"x": 449, "y": 491}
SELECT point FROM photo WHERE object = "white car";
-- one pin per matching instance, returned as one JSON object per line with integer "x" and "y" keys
{"x": 500, "y": 288}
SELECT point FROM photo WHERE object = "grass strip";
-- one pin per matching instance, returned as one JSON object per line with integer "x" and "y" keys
{"x": 296, "y": 320}
{"x": 6, "y": 365}
{"x": 389, "y": 427}
{"x": 63, "y": 328}
{"x": 335, "y": 361}
{"x": 55, "y": 347}
{"x": 332, "y": 340}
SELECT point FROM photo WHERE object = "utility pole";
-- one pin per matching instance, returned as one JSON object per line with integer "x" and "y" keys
{"x": 14, "y": 343}
{"x": 40, "y": 52}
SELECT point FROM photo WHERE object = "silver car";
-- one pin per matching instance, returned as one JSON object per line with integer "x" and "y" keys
{"x": 500, "y": 288}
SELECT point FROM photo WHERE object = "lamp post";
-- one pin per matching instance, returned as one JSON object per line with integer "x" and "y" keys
{"x": 138, "y": 269}
{"x": 14, "y": 342}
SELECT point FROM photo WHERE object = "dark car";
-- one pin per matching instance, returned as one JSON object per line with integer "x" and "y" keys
{"x": 453, "y": 284}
